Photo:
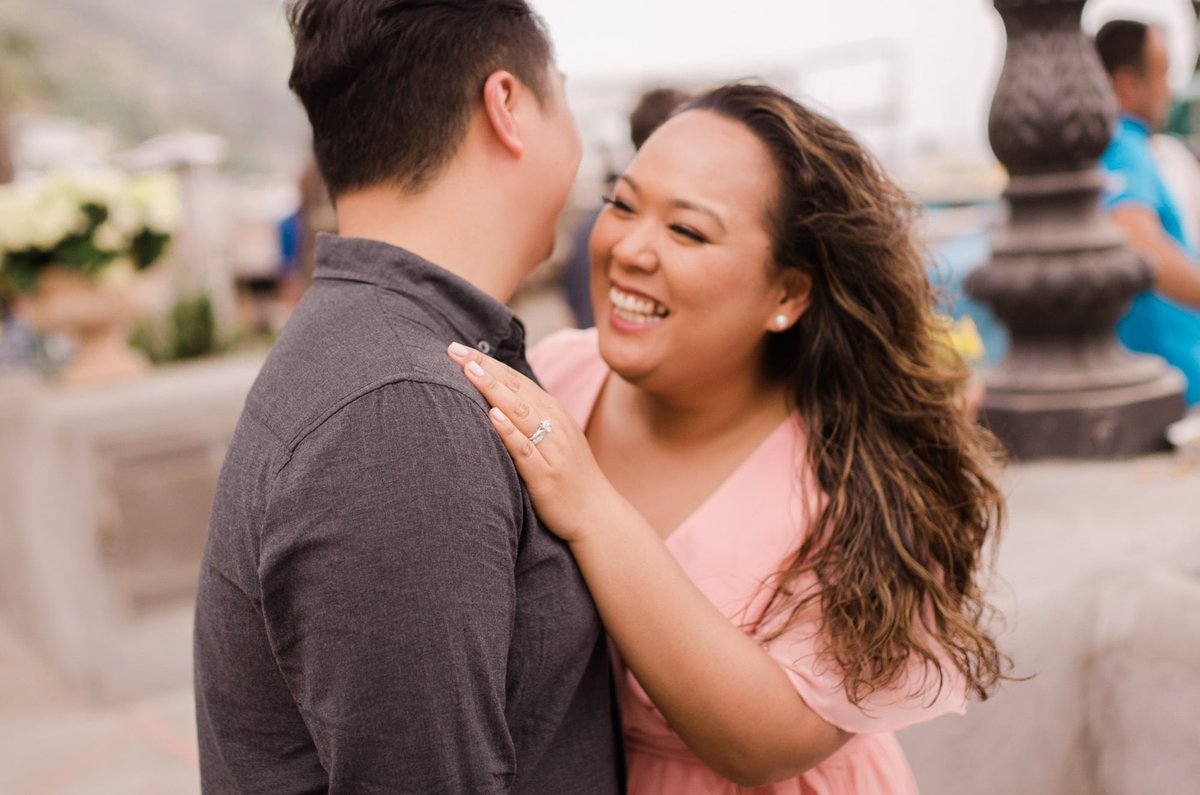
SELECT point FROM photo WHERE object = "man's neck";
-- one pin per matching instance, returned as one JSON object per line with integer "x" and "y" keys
{"x": 457, "y": 229}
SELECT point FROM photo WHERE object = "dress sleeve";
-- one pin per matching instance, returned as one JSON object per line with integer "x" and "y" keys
{"x": 915, "y": 698}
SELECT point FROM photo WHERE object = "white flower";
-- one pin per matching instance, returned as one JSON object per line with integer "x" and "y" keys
{"x": 108, "y": 237}
{"x": 157, "y": 197}
{"x": 15, "y": 211}
{"x": 54, "y": 216}
{"x": 125, "y": 217}
{"x": 40, "y": 214}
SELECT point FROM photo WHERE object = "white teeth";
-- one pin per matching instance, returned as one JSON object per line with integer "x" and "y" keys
{"x": 635, "y": 308}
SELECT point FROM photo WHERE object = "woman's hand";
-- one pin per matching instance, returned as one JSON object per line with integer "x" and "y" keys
{"x": 726, "y": 697}
{"x": 566, "y": 485}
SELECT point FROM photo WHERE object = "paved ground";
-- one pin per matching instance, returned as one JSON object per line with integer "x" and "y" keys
{"x": 53, "y": 743}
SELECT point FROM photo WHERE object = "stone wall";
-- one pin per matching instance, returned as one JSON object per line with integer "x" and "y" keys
{"x": 1098, "y": 577}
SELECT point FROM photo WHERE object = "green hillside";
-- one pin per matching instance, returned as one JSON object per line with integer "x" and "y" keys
{"x": 143, "y": 67}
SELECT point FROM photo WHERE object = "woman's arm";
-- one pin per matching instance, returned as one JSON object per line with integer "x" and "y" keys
{"x": 720, "y": 691}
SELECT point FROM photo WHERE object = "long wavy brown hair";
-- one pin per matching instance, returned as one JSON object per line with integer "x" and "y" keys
{"x": 910, "y": 505}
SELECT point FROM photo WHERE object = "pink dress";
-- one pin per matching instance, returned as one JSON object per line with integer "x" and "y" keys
{"x": 738, "y": 537}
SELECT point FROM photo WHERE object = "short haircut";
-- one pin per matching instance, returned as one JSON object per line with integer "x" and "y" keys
{"x": 654, "y": 107}
{"x": 389, "y": 86}
{"x": 1121, "y": 44}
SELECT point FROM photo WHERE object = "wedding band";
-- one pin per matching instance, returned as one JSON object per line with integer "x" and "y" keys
{"x": 541, "y": 432}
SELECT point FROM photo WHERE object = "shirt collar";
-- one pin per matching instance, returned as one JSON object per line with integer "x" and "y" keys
{"x": 1133, "y": 124}
{"x": 475, "y": 317}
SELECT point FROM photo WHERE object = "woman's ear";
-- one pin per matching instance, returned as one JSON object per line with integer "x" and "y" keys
{"x": 500, "y": 92}
{"x": 795, "y": 294}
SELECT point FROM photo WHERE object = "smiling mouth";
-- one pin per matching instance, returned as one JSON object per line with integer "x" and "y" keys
{"x": 635, "y": 308}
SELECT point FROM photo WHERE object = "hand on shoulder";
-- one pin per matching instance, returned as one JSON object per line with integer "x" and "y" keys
{"x": 548, "y": 447}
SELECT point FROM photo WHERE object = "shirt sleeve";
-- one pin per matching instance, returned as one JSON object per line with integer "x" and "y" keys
{"x": 387, "y": 569}
{"x": 1130, "y": 177}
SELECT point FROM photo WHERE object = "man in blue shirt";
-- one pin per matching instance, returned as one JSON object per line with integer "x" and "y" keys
{"x": 1166, "y": 320}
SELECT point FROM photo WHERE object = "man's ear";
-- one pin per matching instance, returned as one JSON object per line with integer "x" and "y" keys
{"x": 500, "y": 92}
{"x": 1126, "y": 83}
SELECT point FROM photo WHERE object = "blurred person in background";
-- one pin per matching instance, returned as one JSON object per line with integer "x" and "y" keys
{"x": 1165, "y": 320}
{"x": 379, "y": 609}
{"x": 652, "y": 109}
{"x": 777, "y": 501}
{"x": 298, "y": 232}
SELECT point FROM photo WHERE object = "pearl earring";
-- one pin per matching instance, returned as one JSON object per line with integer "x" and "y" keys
{"x": 781, "y": 322}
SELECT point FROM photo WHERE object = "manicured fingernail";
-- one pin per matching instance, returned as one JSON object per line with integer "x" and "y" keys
{"x": 498, "y": 416}
{"x": 474, "y": 369}
{"x": 458, "y": 349}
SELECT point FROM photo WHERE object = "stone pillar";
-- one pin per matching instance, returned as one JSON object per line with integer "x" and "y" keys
{"x": 1060, "y": 275}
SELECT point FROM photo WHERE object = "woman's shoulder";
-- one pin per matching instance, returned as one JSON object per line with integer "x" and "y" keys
{"x": 569, "y": 367}
{"x": 566, "y": 339}
{"x": 564, "y": 351}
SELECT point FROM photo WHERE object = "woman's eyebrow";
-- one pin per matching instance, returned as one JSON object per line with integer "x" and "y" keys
{"x": 682, "y": 204}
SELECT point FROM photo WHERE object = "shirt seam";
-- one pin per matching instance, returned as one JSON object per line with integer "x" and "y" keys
{"x": 350, "y": 398}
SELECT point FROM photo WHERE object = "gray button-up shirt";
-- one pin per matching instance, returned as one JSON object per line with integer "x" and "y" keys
{"x": 379, "y": 609}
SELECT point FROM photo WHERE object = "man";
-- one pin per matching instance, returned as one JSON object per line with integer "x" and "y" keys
{"x": 1163, "y": 322}
{"x": 379, "y": 610}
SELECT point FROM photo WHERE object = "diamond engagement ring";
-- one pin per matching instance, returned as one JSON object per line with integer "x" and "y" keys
{"x": 541, "y": 432}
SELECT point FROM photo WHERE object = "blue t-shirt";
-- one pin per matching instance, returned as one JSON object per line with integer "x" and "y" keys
{"x": 1153, "y": 324}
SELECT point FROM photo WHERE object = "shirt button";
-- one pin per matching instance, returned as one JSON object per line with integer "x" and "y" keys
{"x": 484, "y": 347}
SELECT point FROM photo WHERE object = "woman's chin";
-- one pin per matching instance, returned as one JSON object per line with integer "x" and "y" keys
{"x": 631, "y": 363}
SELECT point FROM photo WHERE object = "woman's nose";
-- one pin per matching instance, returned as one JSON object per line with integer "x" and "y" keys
{"x": 637, "y": 248}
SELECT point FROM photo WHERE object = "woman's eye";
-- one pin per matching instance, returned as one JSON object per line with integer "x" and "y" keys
{"x": 689, "y": 233}
{"x": 616, "y": 204}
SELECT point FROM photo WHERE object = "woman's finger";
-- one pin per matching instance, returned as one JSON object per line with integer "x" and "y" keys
{"x": 522, "y": 401}
{"x": 498, "y": 394}
{"x": 498, "y": 370}
{"x": 524, "y": 453}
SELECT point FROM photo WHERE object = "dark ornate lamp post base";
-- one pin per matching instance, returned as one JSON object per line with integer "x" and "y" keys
{"x": 1109, "y": 423}
{"x": 1060, "y": 276}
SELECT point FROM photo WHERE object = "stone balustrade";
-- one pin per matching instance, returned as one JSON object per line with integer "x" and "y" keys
{"x": 105, "y": 495}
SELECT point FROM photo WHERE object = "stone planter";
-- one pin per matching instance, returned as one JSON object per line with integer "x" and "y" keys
{"x": 95, "y": 316}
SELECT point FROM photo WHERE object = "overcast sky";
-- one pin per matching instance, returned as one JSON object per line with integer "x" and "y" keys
{"x": 943, "y": 56}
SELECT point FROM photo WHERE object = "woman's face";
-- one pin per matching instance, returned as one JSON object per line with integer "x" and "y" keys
{"x": 683, "y": 283}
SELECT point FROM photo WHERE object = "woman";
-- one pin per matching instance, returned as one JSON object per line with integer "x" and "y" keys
{"x": 782, "y": 512}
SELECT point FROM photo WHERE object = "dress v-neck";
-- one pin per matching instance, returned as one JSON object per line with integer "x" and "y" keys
{"x": 587, "y": 406}
{"x": 730, "y": 547}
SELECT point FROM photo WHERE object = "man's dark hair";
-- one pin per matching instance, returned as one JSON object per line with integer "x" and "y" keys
{"x": 654, "y": 107}
{"x": 390, "y": 85}
{"x": 1121, "y": 44}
